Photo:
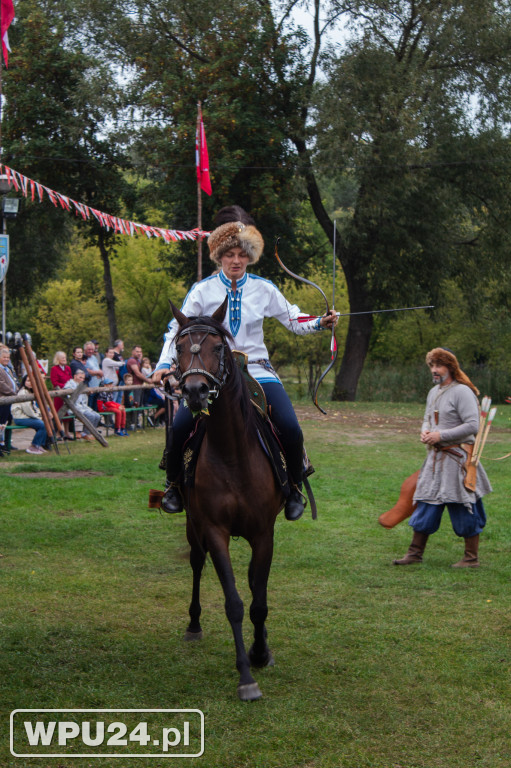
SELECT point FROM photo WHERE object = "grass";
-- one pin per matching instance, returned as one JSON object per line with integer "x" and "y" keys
{"x": 376, "y": 666}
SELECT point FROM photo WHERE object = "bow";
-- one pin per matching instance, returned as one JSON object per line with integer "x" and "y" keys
{"x": 333, "y": 342}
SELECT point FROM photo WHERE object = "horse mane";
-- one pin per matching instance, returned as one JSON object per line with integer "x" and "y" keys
{"x": 235, "y": 388}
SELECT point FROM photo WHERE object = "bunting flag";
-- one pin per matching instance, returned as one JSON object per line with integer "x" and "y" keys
{"x": 28, "y": 188}
{"x": 202, "y": 158}
{"x": 7, "y": 15}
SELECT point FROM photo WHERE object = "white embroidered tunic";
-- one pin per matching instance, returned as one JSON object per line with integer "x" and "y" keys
{"x": 255, "y": 298}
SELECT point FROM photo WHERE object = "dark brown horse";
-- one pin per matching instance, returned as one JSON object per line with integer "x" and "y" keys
{"x": 234, "y": 493}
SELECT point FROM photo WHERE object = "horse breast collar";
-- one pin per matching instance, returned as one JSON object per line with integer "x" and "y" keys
{"x": 195, "y": 349}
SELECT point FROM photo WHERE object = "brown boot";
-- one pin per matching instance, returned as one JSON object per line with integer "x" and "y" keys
{"x": 415, "y": 550}
{"x": 469, "y": 559}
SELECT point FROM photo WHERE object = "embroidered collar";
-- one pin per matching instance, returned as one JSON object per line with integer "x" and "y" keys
{"x": 225, "y": 280}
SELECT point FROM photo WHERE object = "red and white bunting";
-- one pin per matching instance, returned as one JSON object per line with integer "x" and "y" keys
{"x": 29, "y": 188}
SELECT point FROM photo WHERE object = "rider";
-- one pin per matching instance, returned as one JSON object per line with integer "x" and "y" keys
{"x": 233, "y": 245}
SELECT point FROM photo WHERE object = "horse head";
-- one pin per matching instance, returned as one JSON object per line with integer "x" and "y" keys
{"x": 201, "y": 356}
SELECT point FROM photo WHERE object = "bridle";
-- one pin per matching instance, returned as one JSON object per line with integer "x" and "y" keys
{"x": 220, "y": 377}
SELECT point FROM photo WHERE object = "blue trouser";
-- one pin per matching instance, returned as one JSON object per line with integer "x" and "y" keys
{"x": 426, "y": 518}
{"x": 282, "y": 415}
{"x": 40, "y": 436}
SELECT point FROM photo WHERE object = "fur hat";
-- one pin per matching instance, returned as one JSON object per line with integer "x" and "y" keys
{"x": 442, "y": 356}
{"x": 235, "y": 234}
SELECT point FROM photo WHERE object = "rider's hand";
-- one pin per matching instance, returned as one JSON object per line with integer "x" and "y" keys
{"x": 328, "y": 320}
{"x": 158, "y": 375}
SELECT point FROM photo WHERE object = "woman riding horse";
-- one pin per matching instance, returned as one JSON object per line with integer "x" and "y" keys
{"x": 233, "y": 245}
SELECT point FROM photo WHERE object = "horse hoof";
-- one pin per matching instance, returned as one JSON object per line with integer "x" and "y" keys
{"x": 249, "y": 692}
{"x": 193, "y": 635}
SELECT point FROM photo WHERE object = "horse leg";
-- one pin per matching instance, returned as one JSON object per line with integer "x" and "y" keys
{"x": 258, "y": 574}
{"x": 197, "y": 558}
{"x": 248, "y": 690}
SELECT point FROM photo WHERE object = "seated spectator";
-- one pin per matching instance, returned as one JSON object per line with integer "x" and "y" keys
{"x": 78, "y": 363}
{"x": 8, "y": 386}
{"x": 81, "y": 404}
{"x": 28, "y": 415}
{"x": 60, "y": 374}
{"x": 110, "y": 368}
{"x": 105, "y": 403}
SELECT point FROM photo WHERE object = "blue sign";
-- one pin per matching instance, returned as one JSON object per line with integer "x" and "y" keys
{"x": 4, "y": 256}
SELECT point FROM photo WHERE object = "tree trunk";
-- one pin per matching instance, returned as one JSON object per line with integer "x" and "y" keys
{"x": 360, "y": 326}
{"x": 357, "y": 345}
{"x": 109, "y": 289}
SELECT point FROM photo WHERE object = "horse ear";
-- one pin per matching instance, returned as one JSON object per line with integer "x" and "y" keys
{"x": 181, "y": 319}
{"x": 219, "y": 314}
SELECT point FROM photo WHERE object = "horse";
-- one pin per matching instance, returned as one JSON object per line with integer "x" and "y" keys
{"x": 234, "y": 492}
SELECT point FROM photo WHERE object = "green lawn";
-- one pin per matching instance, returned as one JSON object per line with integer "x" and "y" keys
{"x": 375, "y": 665}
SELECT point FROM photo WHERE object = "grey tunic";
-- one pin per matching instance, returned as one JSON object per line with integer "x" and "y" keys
{"x": 441, "y": 476}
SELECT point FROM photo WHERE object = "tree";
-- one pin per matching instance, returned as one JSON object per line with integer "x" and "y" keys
{"x": 411, "y": 111}
{"x": 59, "y": 102}
{"x": 415, "y": 109}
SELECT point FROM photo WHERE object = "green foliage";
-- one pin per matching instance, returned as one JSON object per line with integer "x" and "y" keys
{"x": 64, "y": 319}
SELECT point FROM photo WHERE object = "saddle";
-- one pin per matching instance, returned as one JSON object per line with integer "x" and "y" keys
{"x": 267, "y": 435}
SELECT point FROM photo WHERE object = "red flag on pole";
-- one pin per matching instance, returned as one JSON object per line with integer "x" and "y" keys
{"x": 201, "y": 157}
{"x": 7, "y": 15}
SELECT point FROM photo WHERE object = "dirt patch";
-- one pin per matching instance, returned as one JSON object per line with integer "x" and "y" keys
{"x": 59, "y": 475}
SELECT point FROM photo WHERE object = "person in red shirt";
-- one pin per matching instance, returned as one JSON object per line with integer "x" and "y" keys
{"x": 60, "y": 373}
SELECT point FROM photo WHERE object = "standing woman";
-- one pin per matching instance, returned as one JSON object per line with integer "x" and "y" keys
{"x": 60, "y": 374}
{"x": 233, "y": 246}
{"x": 28, "y": 415}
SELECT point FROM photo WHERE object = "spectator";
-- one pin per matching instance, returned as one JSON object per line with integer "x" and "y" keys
{"x": 128, "y": 400}
{"x": 60, "y": 374}
{"x": 8, "y": 386}
{"x": 81, "y": 404}
{"x": 118, "y": 350}
{"x": 152, "y": 396}
{"x": 146, "y": 367}
{"x": 97, "y": 354}
{"x": 28, "y": 415}
{"x": 92, "y": 364}
{"x": 94, "y": 368}
{"x": 110, "y": 368}
{"x": 78, "y": 363}
{"x": 106, "y": 403}
{"x": 134, "y": 363}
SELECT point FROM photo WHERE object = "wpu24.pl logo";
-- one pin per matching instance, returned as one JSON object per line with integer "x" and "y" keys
{"x": 107, "y": 733}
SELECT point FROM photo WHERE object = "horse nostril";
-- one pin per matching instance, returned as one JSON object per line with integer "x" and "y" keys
{"x": 204, "y": 389}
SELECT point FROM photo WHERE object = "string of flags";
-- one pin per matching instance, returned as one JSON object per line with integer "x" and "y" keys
{"x": 33, "y": 189}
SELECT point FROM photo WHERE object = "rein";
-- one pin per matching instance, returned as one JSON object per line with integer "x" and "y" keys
{"x": 220, "y": 377}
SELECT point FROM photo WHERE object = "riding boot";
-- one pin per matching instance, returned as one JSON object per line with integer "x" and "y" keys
{"x": 295, "y": 503}
{"x": 470, "y": 558}
{"x": 172, "y": 501}
{"x": 415, "y": 550}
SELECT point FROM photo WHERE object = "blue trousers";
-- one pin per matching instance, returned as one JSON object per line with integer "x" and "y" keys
{"x": 40, "y": 436}
{"x": 282, "y": 415}
{"x": 427, "y": 517}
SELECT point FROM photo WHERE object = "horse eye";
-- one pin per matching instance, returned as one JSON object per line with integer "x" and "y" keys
{"x": 218, "y": 348}
{"x": 179, "y": 348}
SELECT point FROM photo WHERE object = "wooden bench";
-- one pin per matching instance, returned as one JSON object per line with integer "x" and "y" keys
{"x": 9, "y": 428}
{"x": 108, "y": 417}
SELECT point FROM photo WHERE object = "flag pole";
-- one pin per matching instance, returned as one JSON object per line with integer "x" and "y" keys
{"x": 199, "y": 195}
